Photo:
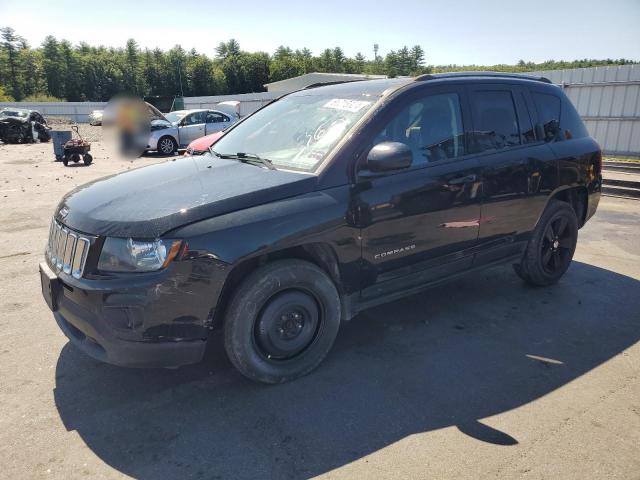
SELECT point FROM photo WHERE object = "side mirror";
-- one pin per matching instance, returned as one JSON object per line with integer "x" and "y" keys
{"x": 388, "y": 156}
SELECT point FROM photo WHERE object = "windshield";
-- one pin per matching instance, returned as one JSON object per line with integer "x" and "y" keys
{"x": 14, "y": 113}
{"x": 175, "y": 117}
{"x": 296, "y": 132}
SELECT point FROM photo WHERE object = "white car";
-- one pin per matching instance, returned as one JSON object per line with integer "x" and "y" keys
{"x": 95, "y": 117}
{"x": 178, "y": 129}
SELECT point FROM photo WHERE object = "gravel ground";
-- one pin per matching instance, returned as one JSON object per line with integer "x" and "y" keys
{"x": 480, "y": 378}
{"x": 88, "y": 132}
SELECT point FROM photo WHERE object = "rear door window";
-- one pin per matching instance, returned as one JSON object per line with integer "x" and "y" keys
{"x": 494, "y": 120}
{"x": 215, "y": 117}
{"x": 548, "y": 107}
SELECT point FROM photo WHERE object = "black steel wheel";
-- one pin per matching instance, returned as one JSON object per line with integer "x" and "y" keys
{"x": 282, "y": 321}
{"x": 551, "y": 247}
{"x": 87, "y": 159}
{"x": 287, "y": 324}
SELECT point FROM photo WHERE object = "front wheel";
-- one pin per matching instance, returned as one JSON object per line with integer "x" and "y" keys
{"x": 551, "y": 247}
{"x": 167, "y": 146}
{"x": 282, "y": 321}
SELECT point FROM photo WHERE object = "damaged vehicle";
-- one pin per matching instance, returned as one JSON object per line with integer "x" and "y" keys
{"x": 176, "y": 130}
{"x": 19, "y": 125}
{"x": 324, "y": 203}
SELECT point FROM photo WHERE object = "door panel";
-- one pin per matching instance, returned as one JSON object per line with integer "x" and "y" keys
{"x": 518, "y": 171}
{"x": 417, "y": 220}
{"x": 420, "y": 223}
{"x": 216, "y": 122}
{"x": 192, "y": 127}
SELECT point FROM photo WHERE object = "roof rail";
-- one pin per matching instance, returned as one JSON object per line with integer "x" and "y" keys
{"x": 437, "y": 76}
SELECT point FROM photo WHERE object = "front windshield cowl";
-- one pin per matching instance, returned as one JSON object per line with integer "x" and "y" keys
{"x": 297, "y": 132}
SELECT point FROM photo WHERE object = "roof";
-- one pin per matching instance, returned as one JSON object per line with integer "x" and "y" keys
{"x": 317, "y": 79}
{"x": 374, "y": 88}
{"x": 330, "y": 77}
{"x": 481, "y": 74}
{"x": 380, "y": 86}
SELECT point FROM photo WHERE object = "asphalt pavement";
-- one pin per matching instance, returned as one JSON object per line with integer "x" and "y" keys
{"x": 483, "y": 377}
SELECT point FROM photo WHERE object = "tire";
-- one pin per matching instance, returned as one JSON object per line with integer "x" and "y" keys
{"x": 167, "y": 145}
{"x": 75, "y": 158}
{"x": 551, "y": 247}
{"x": 282, "y": 321}
{"x": 65, "y": 160}
{"x": 87, "y": 159}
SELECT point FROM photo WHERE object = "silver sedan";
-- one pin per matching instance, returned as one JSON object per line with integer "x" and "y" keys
{"x": 178, "y": 129}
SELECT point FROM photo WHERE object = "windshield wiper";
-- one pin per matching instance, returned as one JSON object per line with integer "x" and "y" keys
{"x": 251, "y": 158}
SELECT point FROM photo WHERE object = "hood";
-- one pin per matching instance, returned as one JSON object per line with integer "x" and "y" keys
{"x": 203, "y": 143}
{"x": 12, "y": 119}
{"x": 150, "y": 201}
{"x": 155, "y": 114}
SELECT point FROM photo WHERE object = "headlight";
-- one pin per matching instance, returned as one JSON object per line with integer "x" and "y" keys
{"x": 128, "y": 255}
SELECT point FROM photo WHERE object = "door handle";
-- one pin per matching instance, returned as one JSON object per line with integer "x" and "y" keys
{"x": 460, "y": 180}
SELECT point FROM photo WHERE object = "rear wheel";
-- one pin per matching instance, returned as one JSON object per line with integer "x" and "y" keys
{"x": 167, "y": 146}
{"x": 552, "y": 245}
{"x": 282, "y": 321}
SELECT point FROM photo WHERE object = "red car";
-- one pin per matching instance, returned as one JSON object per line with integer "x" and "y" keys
{"x": 201, "y": 145}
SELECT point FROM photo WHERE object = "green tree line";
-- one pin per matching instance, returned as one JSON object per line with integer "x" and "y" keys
{"x": 58, "y": 70}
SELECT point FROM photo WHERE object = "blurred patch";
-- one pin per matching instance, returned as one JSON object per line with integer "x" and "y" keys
{"x": 127, "y": 123}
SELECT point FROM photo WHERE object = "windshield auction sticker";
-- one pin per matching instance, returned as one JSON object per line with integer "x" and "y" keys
{"x": 346, "y": 105}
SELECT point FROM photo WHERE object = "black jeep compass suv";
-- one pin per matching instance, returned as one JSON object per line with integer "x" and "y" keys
{"x": 325, "y": 202}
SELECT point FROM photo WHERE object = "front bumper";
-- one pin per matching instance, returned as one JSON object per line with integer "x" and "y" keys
{"x": 112, "y": 325}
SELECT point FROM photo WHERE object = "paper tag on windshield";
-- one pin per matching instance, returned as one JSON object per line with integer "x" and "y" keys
{"x": 346, "y": 104}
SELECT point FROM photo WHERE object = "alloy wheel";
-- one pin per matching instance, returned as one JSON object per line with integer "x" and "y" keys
{"x": 557, "y": 245}
{"x": 166, "y": 145}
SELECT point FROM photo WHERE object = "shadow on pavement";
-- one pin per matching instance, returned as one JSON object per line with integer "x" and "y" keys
{"x": 449, "y": 357}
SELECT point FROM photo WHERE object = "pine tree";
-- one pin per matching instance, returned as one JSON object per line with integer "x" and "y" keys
{"x": 11, "y": 45}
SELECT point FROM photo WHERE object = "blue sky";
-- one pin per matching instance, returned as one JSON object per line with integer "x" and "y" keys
{"x": 453, "y": 31}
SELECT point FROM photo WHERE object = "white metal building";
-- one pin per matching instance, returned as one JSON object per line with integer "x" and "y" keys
{"x": 608, "y": 100}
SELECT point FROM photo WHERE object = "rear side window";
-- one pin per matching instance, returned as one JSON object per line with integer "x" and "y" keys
{"x": 215, "y": 117}
{"x": 549, "y": 115}
{"x": 495, "y": 121}
{"x": 571, "y": 124}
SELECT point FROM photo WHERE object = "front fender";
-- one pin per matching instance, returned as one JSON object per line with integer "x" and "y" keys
{"x": 157, "y": 134}
{"x": 318, "y": 217}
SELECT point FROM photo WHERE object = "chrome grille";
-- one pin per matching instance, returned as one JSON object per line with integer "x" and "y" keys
{"x": 66, "y": 250}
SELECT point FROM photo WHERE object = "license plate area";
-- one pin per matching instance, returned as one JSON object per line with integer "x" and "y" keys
{"x": 50, "y": 286}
